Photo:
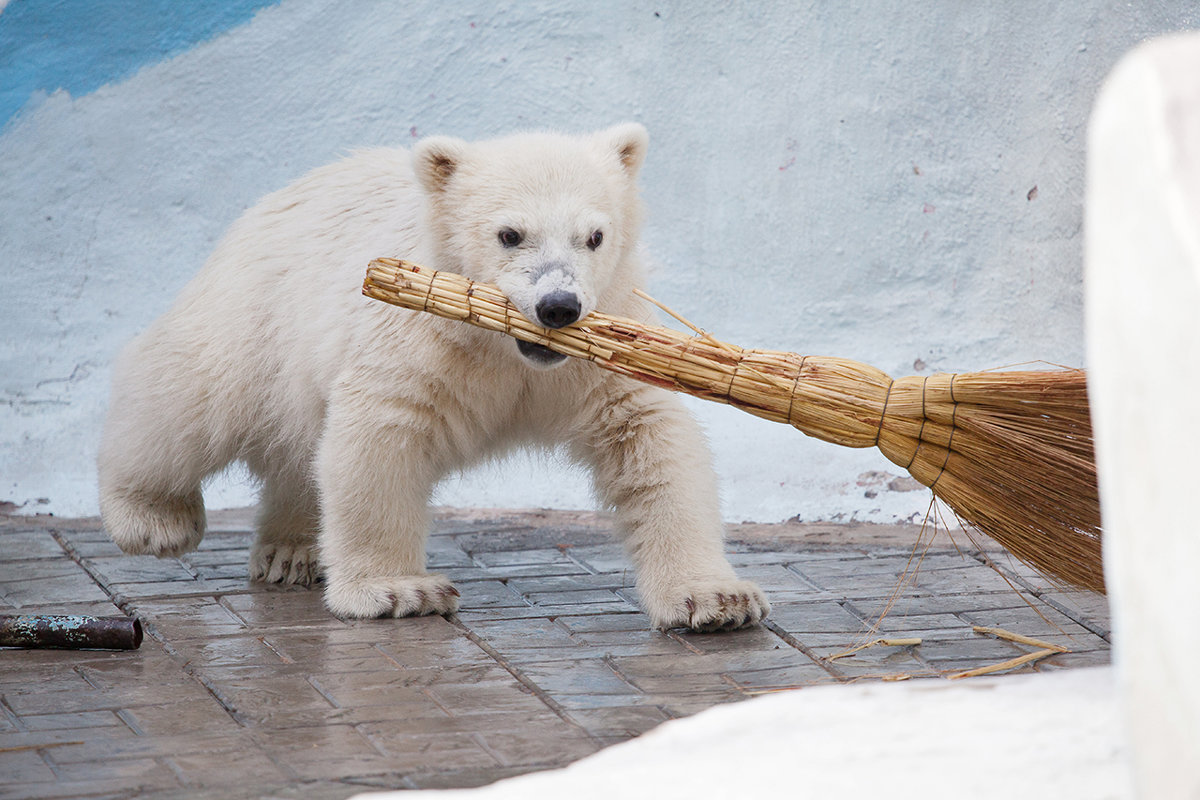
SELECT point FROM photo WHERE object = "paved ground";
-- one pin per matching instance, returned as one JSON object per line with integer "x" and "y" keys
{"x": 246, "y": 691}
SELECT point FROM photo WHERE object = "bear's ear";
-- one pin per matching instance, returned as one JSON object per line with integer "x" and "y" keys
{"x": 435, "y": 160}
{"x": 628, "y": 142}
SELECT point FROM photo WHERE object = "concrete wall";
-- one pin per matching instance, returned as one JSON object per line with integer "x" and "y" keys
{"x": 890, "y": 182}
{"x": 1143, "y": 291}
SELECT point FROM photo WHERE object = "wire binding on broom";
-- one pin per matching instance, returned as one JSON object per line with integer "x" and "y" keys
{"x": 1009, "y": 452}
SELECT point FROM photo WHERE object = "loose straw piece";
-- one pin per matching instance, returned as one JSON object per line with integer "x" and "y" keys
{"x": 1046, "y": 650}
{"x": 1010, "y": 452}
{"x": 911, "y": 642}
{"x": 1003, "y": 666}
{"x": 1000, "y": 633}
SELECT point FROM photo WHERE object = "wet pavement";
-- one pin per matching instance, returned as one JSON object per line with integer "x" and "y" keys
{"x": 241, "y": 690}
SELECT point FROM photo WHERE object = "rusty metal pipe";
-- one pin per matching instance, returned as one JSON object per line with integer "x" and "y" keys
{"x": 70, "y": 632}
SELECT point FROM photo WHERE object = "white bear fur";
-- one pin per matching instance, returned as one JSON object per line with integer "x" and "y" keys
{"x": 350, "y": 411}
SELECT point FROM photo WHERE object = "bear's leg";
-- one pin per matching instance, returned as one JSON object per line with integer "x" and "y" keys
{"x": 650, "y": 461}
{"x": 285, "y": 548}
{"x": 152, "y": 459}
{"x": 376, "y": 471}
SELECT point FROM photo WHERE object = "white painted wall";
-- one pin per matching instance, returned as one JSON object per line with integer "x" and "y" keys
{"x": 844, "y": 179}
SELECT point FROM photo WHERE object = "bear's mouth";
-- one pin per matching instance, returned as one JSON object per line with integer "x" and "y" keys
{"x": 539, "y": 354}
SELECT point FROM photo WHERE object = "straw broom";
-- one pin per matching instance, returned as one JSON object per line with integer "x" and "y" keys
{"x": 1009, "y": 452}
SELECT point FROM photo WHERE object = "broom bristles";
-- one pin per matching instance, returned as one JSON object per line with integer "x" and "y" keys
{"x": 1009, "y": 452}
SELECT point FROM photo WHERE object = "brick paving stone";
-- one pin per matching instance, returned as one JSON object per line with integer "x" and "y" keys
{"x": 274, "y": 610}
{"x": 22, "y": 593}
{"x": 977, "y": 649}
{"x": 907, "y": 625}
{"x": 461, "y": 652}
{"x": 69, "y": 721}
{"x": 134, "y": 770}
{"x": 532, "y": 539}
{"x": 618, "y": 721}
{"x": 198, "y": 587}
{"x": 237, "y": 650}
{"x": 313, "y": 752}
{"x": 350, "y": 689}
{"x": 26, "y": 766}
{"x": 122, "y": 569}
{"x": 961, "y": 579}
{"x": 244, "y": 691}
{"x": 521, "y": 557}
{"x": 874, "y": 661}
{"x": 228, "y": 768}
{"x": 513, "y": 636}
{"x": 529, "y": 612}
{"x": 490, "y": 594}
{"x": 406, "y": 749}
{"x": 275, "y": 701}
{"x": 175, "y": 718}
{"x": 559, "y": 610}
{"x": 189, "y": 618}
{"x": 527, "y": 586}
{"x": 602, "y": 558}
{"x": 910, "y": 604}
{"x": 630, "y": 643}
{"x": 204, "y": 558}
{"x": 81, "y": 697}
{"x": 526, "y": 747}
{"x": 602, "y": 702}
{"x": 613, "y": 621}
{"x": 118, "y": 745}
{"x": 1088, "y": 609}
{"x": 592, "y": 675}
{"x": 684, "y": 705}
{"x": 684, "y": 668}
{"x": 506, "y": 695}
{"x": 460, "y": 779}
{"x": 587, "y": 597}
{"x": 827, "y": 616}
{"x": 738, "y": 643}
{"x": 26, "y": 545}
{"x": 798, "y": 673}
{"x": 442, "y": 553}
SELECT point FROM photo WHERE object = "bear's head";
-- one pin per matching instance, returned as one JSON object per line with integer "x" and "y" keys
{"x": 552, "y": 220}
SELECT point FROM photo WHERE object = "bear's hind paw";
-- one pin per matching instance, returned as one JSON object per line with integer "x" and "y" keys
{"x": 285, "y": 564}
{"x": 403, "y": 596}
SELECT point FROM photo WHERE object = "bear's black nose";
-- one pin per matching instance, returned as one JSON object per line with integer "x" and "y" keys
{"x": 558, "y": 309}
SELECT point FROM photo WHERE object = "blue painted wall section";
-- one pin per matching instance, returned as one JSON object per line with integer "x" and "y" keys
{"x": 80, "y": 45}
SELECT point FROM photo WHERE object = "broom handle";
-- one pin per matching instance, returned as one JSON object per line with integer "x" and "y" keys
{"x": 912, "y": 420}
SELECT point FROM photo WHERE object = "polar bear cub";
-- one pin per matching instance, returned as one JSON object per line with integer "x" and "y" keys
{"x": 350, "y": 411}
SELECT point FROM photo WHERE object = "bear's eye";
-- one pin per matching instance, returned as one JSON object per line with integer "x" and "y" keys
{"x": 509, "y": 238}
{"x": 595, "y": 239}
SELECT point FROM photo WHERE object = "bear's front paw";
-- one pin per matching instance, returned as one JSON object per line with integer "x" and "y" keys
{"x": 153, "y": 525}
{"x": 294, "y": 563}
{"x": 402, "y": 596}
{"x": 712, "y": 606}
